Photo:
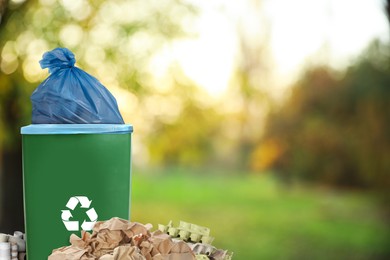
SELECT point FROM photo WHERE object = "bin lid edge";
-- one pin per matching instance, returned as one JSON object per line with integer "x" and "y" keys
{"x": 37, "y": 129}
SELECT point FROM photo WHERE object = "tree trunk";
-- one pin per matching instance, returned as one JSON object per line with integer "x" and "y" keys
{"x": 11, "y": 206}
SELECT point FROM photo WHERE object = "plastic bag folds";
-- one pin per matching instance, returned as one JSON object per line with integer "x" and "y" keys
{"x": 70, "y": 95}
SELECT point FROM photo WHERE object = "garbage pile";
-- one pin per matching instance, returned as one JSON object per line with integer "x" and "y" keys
{"x": 12, "y": 247}
{"x": 198, "y": 238}
{"x": 119, "y": 239}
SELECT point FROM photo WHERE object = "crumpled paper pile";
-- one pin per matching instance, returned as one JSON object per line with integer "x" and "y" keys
{"x": 118, "y": 239}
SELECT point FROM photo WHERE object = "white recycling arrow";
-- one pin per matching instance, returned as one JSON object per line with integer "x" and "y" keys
{"x": 84, "y": 201}
{"x": 66, "y": 215}
{"x": 71, "y": 225}
{"x": 92, "y": 214}
{"x": 73, "y": 201}
{"x": 87, "y": 226}
{"x": 71, "y": 205}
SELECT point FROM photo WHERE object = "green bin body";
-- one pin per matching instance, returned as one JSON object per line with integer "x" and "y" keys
{"x": 73, "y": 176}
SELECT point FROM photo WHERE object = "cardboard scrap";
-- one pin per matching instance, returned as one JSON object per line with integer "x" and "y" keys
{"x": 209, "y": 250}
{"x": 198, "y": 239}
{"x": 119, "y": 239}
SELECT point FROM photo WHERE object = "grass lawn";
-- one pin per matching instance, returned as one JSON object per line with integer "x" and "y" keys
{"x": 257, "y": 218}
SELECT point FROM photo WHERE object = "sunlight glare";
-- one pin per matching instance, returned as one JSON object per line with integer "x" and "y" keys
{"x": 324, "y": 31}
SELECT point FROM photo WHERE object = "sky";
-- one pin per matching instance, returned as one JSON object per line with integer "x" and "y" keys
{"x": 299, "y": 32}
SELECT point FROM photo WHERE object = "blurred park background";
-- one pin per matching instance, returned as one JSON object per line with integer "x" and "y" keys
{"x": 266, "y": 120}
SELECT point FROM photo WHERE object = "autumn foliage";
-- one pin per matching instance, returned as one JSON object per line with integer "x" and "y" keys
{"x": 334, "y": 128}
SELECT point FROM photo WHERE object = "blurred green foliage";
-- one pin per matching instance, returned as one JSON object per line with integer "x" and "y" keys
{"x": 112, "y": 40}
{"x": 257, "y": 218}
{"x": 334, "y": 128}
{"x": 187, "y": 141}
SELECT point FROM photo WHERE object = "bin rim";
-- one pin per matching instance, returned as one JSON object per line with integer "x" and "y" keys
{"x": 47, "y": 129}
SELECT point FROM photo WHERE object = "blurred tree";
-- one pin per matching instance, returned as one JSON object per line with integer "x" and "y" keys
{"x": 248, "y": 99}
{"x": 187, "y": 140}
{"x": 112, "y": 40}
{"x": 13, "y": 106}
{"x": 221, "y": 133}
{"x": 334, "y": 130}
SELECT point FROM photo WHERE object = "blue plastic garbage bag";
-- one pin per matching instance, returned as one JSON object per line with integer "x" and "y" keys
{"x": 70, "y": 95}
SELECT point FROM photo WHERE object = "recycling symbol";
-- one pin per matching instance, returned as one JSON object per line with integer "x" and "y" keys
{"x": 73, "y": 225}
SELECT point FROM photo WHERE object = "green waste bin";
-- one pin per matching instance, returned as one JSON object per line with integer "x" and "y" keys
{"x": 73, "y": 176}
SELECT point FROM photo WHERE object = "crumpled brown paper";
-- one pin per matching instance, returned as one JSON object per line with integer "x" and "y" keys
{"x": 119, "y": 239}
{"x": 125, "y": 252}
